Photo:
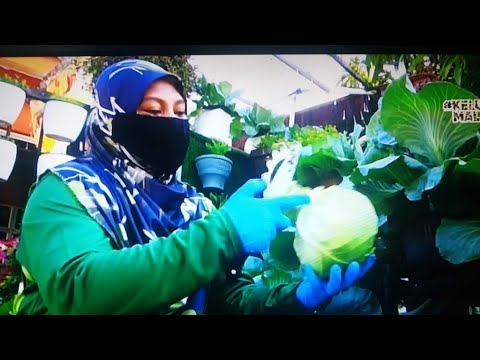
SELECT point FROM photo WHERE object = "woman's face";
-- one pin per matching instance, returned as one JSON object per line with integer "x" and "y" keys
{"x": 162, "y": 99}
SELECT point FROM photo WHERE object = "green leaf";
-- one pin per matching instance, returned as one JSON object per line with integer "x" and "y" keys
{"x": 254, "y": 266}
{"x": 355, "y": 134}
{"x": 7, "y": 307}
{"x": 372, "y": 127}
{"x": 314, "y": 169}
{"x": 250, "y": 130}
{"x": 457, "y": 75}
{"x": 214, "y": 95}
{"x": 398, "y": 169}
{"x": 418, "y": 122}
{"x": 259, "y": 121}
{"x": 236, "y": 128}
{"x": 425, "y": 182}
{"x": 382, "y": 196}
{"x": 283, "y": 253}
{"x": 429, "y": 180}
{"x": 417, "y": 60}
{"x": 474, "y": 154}
{"x": 376, "y": 133}
{"x": 459, "y": 240}
{"x": 225, "y": 88}
{"x": 354, "y": 301}
{"x": 458, "y": 196}
{"x": 373, "y": 153}
{"x": 277, "y": 124}
{"x": 275, "y": 277}
{"x": 446, "y": 66}
{"x": 470, "y": 167}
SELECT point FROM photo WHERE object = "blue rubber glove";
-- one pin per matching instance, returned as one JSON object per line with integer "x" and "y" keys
{"x": 256, "y": 220}
{"x": 314, "y": 290}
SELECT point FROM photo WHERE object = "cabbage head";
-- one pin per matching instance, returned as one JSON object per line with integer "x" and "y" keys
{"x": 338, "y": 226}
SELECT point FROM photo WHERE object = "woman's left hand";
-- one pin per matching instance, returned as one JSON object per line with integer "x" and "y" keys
{"x": 314, "y": 290}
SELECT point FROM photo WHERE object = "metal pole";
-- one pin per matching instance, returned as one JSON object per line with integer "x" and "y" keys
{"x": 11, "y": 222}
{"x": 305, "y": 74}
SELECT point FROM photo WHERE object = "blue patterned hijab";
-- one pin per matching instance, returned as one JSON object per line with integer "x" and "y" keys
{"x": 117, "y": 192}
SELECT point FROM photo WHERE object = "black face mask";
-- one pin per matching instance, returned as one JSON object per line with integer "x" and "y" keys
{"x": 159, "y": 144}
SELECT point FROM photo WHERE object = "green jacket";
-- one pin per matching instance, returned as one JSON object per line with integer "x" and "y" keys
{"x": 72, "y": 267}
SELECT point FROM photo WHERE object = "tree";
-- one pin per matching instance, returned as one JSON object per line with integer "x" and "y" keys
{"x": 178, "y": 65}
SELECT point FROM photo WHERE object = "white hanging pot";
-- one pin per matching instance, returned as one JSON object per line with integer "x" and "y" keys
{"x": 8, "y": 149}
{"x": 63, "y": 121}
{"x": 12, "y": 99}
{"x": 251, "y": 144}
{"x": 214, "y": 124}
{"x": 48, "y": 161}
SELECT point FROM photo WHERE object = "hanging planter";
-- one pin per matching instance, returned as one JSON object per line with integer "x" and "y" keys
{"x": 12, "y": 99}
{"x": 63, "y": 121}
{"x": 213, "y": 170}
{"x": 214, "y": 124}
{"x": 8, "y": 149}
{"x": 49, "y": 161}
{"x": 251, "y": 144}
{"x": 260, "y": 158}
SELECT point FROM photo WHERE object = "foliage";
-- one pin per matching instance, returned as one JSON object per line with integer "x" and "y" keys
{"x": 371, "y": 78}
{"x": 459, "y": 69}
{"x": 432, "y": 159}
{"x": 217, "y": 147}
{"x": 260, "y": 121}
{"x": 177, "y": 64}
{"x": 10, "y": 274}
{"x": 218, "y": 199}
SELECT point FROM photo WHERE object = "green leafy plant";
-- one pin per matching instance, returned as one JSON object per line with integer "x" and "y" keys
{"x": 218, "y": 199}
{"x": 331, "y": 155}
{"x": 260, "y": 121}
{"x": 374, "y": 79}
{"x": 272, "y": 141}
{"x": 218, "y": 148}
{"x": 446, "y": 67}
{"x": 215, "y": 96}
{"x": 416, "y": 162}
{"x": 433, "y": 159}
{"x": 10, "y": 275}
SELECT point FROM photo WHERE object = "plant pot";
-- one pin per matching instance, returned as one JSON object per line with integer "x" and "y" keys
{"x": 260, "y": 158}
{"x": 420, "y": 80}
{"x": 213, "y": 170}
{"x": 251, "y": 144}
{"x": 214, "y": 124}
{"x": 48, "y": 161}
{"x": 12, "y": 99}
{"x": 8, "y": 149}
{"x": 63, "y": 121}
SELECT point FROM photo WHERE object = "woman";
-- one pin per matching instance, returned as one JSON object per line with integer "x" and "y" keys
{"x": 115, "y": 233}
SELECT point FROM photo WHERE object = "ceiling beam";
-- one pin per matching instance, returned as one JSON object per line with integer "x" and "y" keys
{"x": 303, "y": 73}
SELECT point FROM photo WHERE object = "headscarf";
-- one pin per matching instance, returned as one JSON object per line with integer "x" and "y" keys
{"x": 117, "y": 192}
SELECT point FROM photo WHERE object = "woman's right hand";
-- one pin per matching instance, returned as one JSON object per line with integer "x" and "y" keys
{"x": 256, "y": 220}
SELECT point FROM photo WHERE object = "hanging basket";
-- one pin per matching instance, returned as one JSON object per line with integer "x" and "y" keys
{"x": 49, "y": 161}
{"x": 12, "y": 99}
{"x": 214, "y": 124}
{"x": 8, "y": 149}
{"x": 213, "y": 170}
{"x": 63, "y": 121}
